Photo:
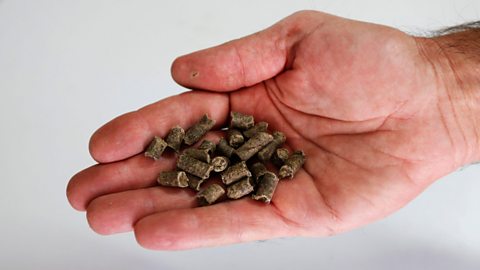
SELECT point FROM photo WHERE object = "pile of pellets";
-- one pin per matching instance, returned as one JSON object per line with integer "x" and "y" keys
{"x": 241, "y": 159}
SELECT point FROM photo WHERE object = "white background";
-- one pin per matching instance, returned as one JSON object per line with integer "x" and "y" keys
{"x": 66, "y": 67}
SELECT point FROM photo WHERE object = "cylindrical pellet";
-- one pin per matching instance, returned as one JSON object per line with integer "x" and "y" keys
{"x": 194, "y": 166}
{"x": 199, "y": 154}
{"x": 280, "y": 156}
{"x": 241, "y": 121}
{"x": 266, "y": 153}
{"x": 195, "y": 133}
{"x": 195, "y": 182}
{"x": 259, "y": 127}
{"x": 173, "y": 179}
{"x": 240, "y": 188}
{"x": 235, "y": 173}
{"x": 210, "y": 195}
{"x": 155, "y": 148}
{"x": 175, "y": 138}
{"x": 234, "y": 138}
{"x": 220, "y": 163}
{"x": 257, "y": 169}
{"x": 292, "y": 165}
{"x": 224, "y": 149}
{"x": 266, "y": 187}
{"x": 253, "y": 145}
{"x": 208, "y": 145}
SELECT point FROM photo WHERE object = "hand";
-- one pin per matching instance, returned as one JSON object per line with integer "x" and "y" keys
{"x": 361, "y": 100}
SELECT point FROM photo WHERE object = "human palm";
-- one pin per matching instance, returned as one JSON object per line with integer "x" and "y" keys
{"x": 358, "y": 98}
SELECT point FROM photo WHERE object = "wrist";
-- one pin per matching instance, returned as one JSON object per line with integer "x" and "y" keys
{"x": 455, "y": 62}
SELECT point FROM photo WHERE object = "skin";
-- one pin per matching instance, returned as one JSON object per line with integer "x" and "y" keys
{"x": 370, "y": 108}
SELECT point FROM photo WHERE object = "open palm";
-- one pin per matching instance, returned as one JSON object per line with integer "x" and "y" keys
{"x": 359, "y": 99}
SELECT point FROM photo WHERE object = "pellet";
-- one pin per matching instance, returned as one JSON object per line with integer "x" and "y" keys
{"x": 196, "y": 132}
{"x": 208, "y": 145}
{"x": 280, "y": 156}
{"x": 194, "y": 166}
{"x": 155, "y": 148}
{"x": 173, "y": 179}
{"x": 259, "y": 127}
{"x": 258, "y": 169}
{"x": 292, "y": 165}
{"x": 195, "y": 182}
{"x": 175, "y": 138}
{"x": 241, "y": 121}
{"x": 220, "y": 163}
{"x": 224, "y": 149}
{"x": 235, "y": 173}
{"x": 210, "y": 195}
{"x": 199, "y": 154}
{"x": 253, "y": 145}
{"x": 235, "y": 138}
{"x": 266, "y": 153}
{"x": 240, "y": 188}
{"x": 266, "y": 187}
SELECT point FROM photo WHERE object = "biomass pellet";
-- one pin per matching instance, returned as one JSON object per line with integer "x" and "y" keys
{"x": 235, "y": 138}
{"x": 199, "y": 154}
{"x": 224, "y": 149}
{"x": 240, "y": 188}
{"x": 259, "y": 127}
{"x": 292, "y": 165}
{"x": 253, "y": 145}
{"x": 194, "y": 166}
{"x": 210, "y": 195}
{"x": 257, "y": 169}
{"x": 195, "y": 182}
{"x": 241, "y": 121}
{"x": 208, "y": 145}
{"x": 280, "y": 155}
{"x": 220, "y": 163}
{"x": 173, "y": 179}
{"x": 175, "y": 138}
{"x": 155, "y": 148}
{"x": 196, "y": 132}
{"x": 235, "y": 173}
{"x": 266, "y": 187}
{"x": 266, "y": 153}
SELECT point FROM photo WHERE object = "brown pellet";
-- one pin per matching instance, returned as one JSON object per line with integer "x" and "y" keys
{"x": 266, "y": 187}
{"x": 195, "y": 133}
{"x": 240, "y": 188}
{"x": 292, "y": 165}
{"x": 235, "y": 173}
{"x": 253, "y": 145}
{"x": 280, "y": 156}
{"x": 220, "y": 163}
{"x": 195, "y": 182}
{"x": 259, "y": 127}
{"x": 199, "y": 154}
{"x": 266, "y": 153}
{"x": 223, "y": 148}
{"x": 194, "y": 166}
{"x": 210, "y": 195}
{"x": 173, "y": 179}
{"x": 208, "y": 145}
{"x": 241, "y": 121}
{"x": 258, "y": 169}
{"x": 235, "y": 138}
{"x": 175, "y": 138}
{"x": 155, "y": 148}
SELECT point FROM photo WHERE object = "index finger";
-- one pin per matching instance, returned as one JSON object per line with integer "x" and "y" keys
{"x": 128, "y": 134}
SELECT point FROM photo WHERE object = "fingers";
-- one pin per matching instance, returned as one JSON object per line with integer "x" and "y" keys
{"x": 219, "y": 224}
{"x": 128, "y": 135}
{"x": 116, "y": 213}
{"x": 246, "y": 61}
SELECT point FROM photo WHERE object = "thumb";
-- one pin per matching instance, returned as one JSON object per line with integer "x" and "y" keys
{"x": 246, "y": 61}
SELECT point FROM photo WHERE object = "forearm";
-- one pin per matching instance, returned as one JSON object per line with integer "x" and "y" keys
{"x": 454, "y": 54}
